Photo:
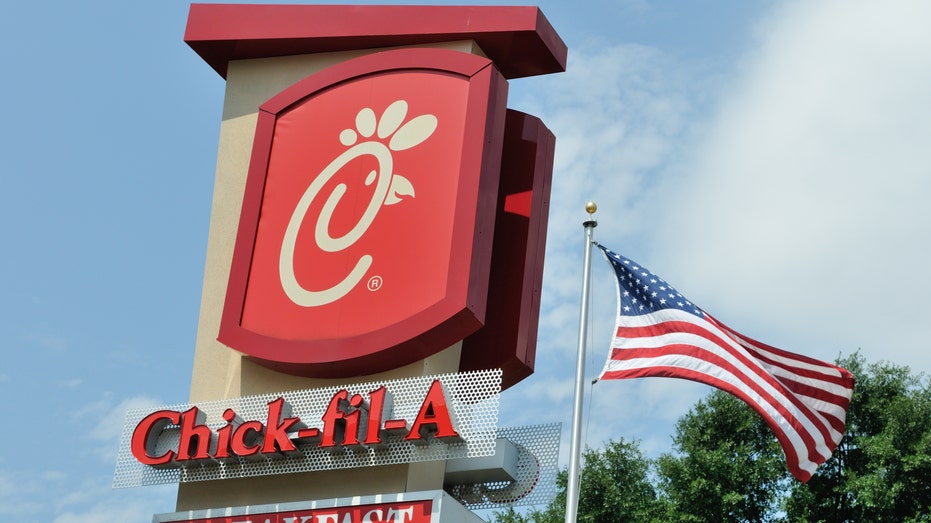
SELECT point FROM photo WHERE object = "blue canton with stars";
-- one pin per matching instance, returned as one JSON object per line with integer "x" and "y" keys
{"x": 643, "y": 292}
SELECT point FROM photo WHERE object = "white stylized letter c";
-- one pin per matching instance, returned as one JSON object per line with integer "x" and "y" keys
{"x": 292, "y": 288}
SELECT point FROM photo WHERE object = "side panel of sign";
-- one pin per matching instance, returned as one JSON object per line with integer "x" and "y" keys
{"x": 509, "y": 337}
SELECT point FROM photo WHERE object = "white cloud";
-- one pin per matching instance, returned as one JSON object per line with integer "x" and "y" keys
{"x": 642, "y": 409}
{"x": 805, "y": 211}
{"x": 621, "y": 111}
{"x": 48, "y": 342}
{"x": 121, "y": 505}
{"x": 104, "y": 418}
{"x": 620, "y": 115}
{"x": 83, "y": 494}
{"x": 65, "y": 497}
{"x": 16, "y": 495}
{"x": 105, "y": 514}
{"x": 794, "y": 210}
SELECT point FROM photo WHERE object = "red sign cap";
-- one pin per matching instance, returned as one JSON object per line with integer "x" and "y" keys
{"x": 518, "y": 39}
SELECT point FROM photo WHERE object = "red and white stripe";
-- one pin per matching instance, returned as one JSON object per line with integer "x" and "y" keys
{"x": 803, "y": 400}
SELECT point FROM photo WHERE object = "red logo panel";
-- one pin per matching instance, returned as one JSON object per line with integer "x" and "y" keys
{"x": 365, "y": 237}
{"x": 416, "y": 511}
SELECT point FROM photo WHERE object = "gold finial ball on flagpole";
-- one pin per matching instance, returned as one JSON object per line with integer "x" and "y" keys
{"x": 591, "y": 207}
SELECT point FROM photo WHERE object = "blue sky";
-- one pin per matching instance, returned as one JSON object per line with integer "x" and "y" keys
{"x": 772, "y": 160}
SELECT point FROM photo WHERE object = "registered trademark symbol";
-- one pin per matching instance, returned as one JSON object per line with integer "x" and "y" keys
{"x": 375, "y": 283}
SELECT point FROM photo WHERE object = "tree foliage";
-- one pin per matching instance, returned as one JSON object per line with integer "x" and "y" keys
{"x": 881, "y": 469}
{"x": 726, "y": 465}
{"x": 615, "y": 486}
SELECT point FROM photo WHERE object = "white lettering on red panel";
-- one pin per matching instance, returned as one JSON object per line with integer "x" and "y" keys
{"x": 404, "y": 512}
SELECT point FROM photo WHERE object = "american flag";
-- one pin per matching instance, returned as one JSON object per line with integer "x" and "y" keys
{"x": 662, "y": 334}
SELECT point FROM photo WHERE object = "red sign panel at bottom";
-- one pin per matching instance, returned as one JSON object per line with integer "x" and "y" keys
{"x": 418, "y": 511}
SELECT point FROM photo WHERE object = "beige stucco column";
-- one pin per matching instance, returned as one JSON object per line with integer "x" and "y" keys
{"x": 220, "y": 372}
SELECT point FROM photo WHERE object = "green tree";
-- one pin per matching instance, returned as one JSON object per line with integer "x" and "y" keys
{"x": 727, "y": 464}
{"x": 881, "y": 469}
{"x": 615, "y": 487}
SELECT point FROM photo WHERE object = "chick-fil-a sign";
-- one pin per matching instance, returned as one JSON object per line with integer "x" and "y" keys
{"x": 365, "y": 237}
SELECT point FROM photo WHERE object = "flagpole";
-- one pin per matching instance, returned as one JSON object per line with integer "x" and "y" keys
{"x": 572, "y": 488}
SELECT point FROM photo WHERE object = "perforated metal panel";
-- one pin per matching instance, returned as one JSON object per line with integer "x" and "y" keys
{"x": 471, "y": 397}
{"x": 537, "y": 468}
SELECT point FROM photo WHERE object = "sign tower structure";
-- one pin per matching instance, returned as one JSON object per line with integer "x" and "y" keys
{"x": 378, "y": 214}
